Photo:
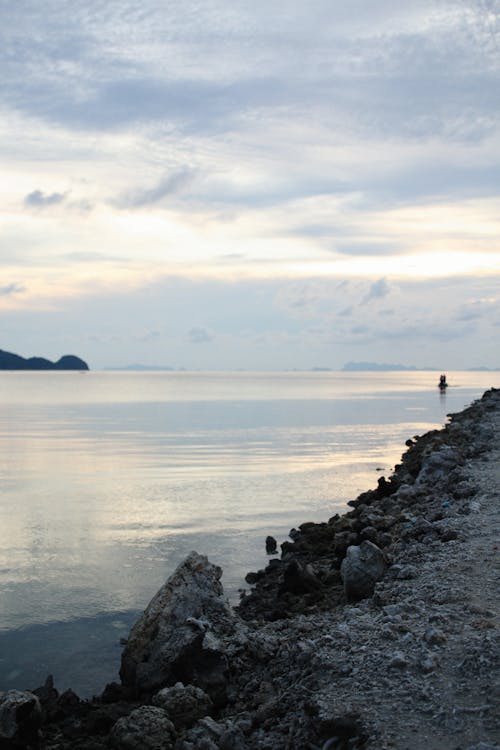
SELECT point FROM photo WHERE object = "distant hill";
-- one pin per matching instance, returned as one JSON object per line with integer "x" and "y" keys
{"x": 384, "y": 367}
{"x": 9, "y": 361}
{"x": 141, "y": 368}
{"x": 378, "y": 367}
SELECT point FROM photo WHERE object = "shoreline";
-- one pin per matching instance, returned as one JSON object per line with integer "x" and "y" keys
{"x": 403, "y": 659}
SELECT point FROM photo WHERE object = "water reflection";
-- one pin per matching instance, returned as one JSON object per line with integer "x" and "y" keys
{"x": 62, "y": 649}
{"x": 108, "y": 482}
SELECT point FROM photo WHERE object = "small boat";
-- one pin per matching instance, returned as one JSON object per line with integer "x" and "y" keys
{"x": 442, "y": 385}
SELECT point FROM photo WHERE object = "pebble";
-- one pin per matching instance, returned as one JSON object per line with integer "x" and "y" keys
{"x": 398, "y": 660}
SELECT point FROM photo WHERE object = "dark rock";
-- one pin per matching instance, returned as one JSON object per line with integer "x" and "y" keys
{"x": 344, "y": 540}
{"x": 299, "y": 579}
{"x": 273, "y": 565}
{"x": 271, "y": 545}
{"x": 370, "y": 533}
{"x": 184, "y": 705}
{"x": 343, "y": 732}
{"x": 253, "y": 577}
{"x": 362, "y": 567}
{"x": 114, "y": 692}
{"x": 49, "y": 698}
{"x": 448, "y": 535}
{"x": 68, "y": 699}
{"x": 146, "y": 728}
{"x": 419, "y": 528}
{"x": 20, "y": 718}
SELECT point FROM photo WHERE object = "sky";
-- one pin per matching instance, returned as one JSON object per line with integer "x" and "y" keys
{"x": 258, "y": 185}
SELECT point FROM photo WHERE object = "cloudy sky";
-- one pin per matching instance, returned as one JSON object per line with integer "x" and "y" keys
{"x": 215, "y": 184}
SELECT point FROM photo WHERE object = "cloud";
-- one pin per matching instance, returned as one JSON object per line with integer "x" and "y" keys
{"x": 171, "y": 184}
{"x": 478, "y": 309}
{"x": 301, "y": 298}
{"x": 378, "y": 290}
{"x": 368, "y": 248}
{"x": 83, "y": 206}
{"x": 90, "y": 256}
{"x": 204, "y": 69}
{"x": 38, "y": 199}
{"x": 10, "y": 289}
{"x": 198, "y": 335}
{"x": 150, "y": 335}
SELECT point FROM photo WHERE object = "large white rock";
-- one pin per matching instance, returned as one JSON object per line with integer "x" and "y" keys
{"x": 181, "y": 635}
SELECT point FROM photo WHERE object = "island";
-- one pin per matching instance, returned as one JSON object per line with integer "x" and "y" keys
{"x": 10, "y": 361}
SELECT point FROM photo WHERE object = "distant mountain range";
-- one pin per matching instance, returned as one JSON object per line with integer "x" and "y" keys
{"x": 141, "y": 368}
{"x": 9, "y": 361}
{"x": 386, "y": 367}
{"x": 380, "y": 366}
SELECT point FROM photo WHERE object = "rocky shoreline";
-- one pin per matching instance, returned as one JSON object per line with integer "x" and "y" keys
{"x": 377, "y": 629}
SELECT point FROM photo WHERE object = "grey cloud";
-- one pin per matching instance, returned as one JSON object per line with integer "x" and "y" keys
{"x": 423, "y": 329}
{"x": 477, "y": 310}
{"x": 378, "y": 290}
{"x": 84, "y": 206}
{"x": 225, "y": 257}
{"x": 192, "y": 106}
{"x": 408, "y": 331}
{"x": 39, "y": 199}
{"x": 429, "y": 181}
{"x": 84, "y": 74}
{"x": 91, "y": 257}
{"x": 352, "y": 80}
{"x": 361, "y": 329}
{"x": 150, "y": 335}
{"x": 171, "y": 184}
{"x": 9, "y": 289}
{"x": 345, "y": 312}
{"x": 368, "y": 248}
{"x": 199, "y": 335}
{"x": 302, "y": 298}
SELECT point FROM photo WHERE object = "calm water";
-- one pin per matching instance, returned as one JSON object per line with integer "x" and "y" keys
{"x": 108, "y": 480}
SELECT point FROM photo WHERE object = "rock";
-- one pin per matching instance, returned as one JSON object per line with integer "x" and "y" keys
{"x": 437, "y": 464}
{"x": 403, "y": 572}
{"x": 252, "y": 577}
{"x": 20, "y": 717}
{"x": 146, "y": 728}
{"x": 434, "y": 636}
{"x": 48, "y": 697}
{"x": 208, "y": 734}
{"x": 183, "y": 704}
{"x": 205, "y": 733}
{"x": 271, "y": 545}
{"x": 343, "y": 540}
{"x": 68, "y": 700}
{"x": 180, "y": 636}
{"x": 428, "y": 663}
{"x": 361, "y": 568}
{"x": 398, "y": 660}
{"x": 299, "y": 579}
{"x": 419, "y": 528}
{"x": 370, "y": 533}
{"x": 341, "y": 731}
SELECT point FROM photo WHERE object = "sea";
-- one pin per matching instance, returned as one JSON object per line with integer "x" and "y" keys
{"x": 109, "y": 479}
